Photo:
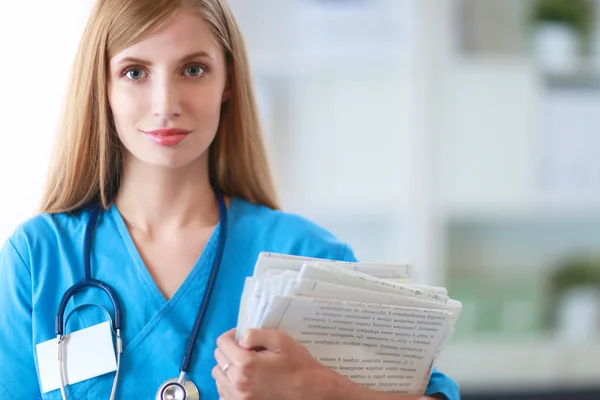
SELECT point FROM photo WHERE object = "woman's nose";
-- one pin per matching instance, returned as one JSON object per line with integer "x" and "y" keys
{"x": 166, "y": 102}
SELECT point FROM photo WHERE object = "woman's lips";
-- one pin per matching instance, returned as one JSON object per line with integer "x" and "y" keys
{"x": 167, "y": 137}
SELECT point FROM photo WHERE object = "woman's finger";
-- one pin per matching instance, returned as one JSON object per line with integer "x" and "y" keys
{"x": 223, "y": 384}
{"x": 269, "y": 339}
{"x": 223, "y": 361}
{"x": 229, "y": 347}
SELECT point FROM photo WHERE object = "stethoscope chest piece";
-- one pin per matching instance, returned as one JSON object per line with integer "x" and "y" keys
{"x": 173, "y": 390}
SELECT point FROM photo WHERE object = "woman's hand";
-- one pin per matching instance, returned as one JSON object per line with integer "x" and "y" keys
{"x": 269, "y": 365}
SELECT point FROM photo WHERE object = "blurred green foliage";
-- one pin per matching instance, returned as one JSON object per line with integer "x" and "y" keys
{"x": 579, "y": 14}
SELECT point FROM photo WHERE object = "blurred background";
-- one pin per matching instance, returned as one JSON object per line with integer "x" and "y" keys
{"x": 458, "y": 135}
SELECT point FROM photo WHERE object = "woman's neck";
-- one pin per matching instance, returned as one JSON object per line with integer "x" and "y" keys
{"x": 157, "y": 199}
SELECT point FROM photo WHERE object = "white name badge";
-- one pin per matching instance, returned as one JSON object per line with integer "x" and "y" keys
{"x": 87, "y": 353}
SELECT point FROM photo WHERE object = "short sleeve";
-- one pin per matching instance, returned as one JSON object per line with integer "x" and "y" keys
{"x": 18, "y": 377}
{"x": 347, "y": 254}
{"x": 442, "y": 384}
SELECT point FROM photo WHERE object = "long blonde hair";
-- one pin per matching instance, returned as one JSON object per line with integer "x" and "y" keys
{"x": 87, "y": 158}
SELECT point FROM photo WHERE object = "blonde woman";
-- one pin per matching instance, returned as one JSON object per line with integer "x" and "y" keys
{"x": 159, "y": 199}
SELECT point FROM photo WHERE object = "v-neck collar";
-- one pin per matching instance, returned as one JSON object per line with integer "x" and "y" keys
{"x": 202, "y": 264}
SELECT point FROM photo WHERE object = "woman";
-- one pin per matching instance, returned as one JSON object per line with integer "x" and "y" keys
{"x": 160, "y": 147}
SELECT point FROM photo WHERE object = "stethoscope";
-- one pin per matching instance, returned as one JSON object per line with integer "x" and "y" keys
{"x": 179, "y": 388}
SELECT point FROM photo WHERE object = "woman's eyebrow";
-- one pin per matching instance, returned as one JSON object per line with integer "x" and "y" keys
{"x": 189, "y": 57}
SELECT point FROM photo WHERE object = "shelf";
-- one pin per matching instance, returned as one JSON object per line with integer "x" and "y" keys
{"x": 540, "y": 215}
{"x": 536, "y": 364}
{"x": 585, "y": 77}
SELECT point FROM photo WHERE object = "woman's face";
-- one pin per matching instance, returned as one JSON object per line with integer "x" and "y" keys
{"x": 166, "y": 91}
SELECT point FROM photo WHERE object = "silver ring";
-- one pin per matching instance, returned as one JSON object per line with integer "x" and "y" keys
{"x": 226, "y": 367}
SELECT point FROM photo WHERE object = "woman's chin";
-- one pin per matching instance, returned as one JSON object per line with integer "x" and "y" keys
{"x": 166, "y": 161}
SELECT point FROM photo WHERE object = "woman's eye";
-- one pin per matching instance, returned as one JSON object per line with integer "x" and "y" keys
{"x": 194, "y": 70}
{"x": 134, "y": 74}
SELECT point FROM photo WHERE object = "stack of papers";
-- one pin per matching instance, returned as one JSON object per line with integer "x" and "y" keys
{"x": 365, "y": 321}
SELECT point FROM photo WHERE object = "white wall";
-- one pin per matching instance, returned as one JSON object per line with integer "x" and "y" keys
{"x": 37, "y": 42}
{"x": 490, "y": 121}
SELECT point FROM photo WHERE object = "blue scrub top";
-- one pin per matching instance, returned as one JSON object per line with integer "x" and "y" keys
{"x": 43, "y": 258}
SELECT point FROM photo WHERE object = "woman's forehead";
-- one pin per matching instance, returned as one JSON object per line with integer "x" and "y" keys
{"x": 180, "y": 36}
